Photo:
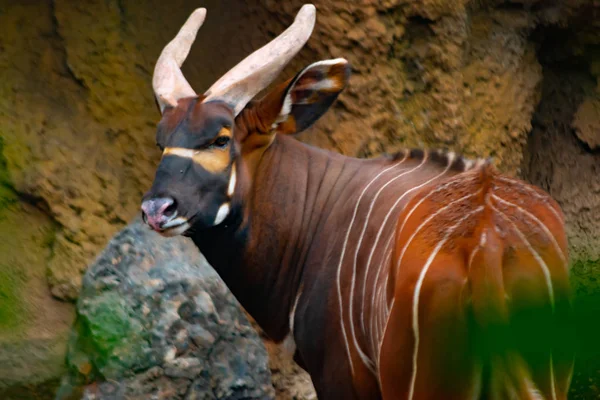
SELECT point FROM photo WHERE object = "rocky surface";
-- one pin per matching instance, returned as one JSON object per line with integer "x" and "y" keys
{"x": 458, "y": 74}
{"x": 514, "y": 80}
{"x": 289, "y": 380}
{"x": 154, "y": 321}
{"x": 77, "y": 150}
{"x": 33, "y": 327}
{"x": 562, "y": 160}
{"x": 464, "y": 75}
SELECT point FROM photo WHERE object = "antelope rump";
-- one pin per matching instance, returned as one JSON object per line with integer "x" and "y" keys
{"x": 420, "y": 275}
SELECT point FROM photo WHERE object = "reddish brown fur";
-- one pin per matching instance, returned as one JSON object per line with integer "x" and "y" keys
{"x": 470, "y": 280}
{"x": 327, "y": 233}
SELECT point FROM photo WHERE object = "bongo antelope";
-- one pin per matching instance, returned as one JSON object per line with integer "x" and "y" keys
{"x": 420, "y": 275}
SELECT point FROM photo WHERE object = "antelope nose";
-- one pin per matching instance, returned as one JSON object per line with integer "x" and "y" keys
{"x": 156, "y": 212}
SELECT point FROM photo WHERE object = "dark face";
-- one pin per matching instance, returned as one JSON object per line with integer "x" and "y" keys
{"x": 196, "y": 177}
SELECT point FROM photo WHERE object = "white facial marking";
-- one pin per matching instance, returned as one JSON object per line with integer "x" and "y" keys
{"x": 180, "y": 152}
{"x": 222, "y": 213}
{"x": 174, "y": 222}
{"x": 232, "y": 181}
{"x": 176, "y": 230}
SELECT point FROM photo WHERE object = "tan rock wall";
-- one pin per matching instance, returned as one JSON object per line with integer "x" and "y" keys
{"x": 77, "y": 150}
{"x": 441, "y": 74}
{"x": 77, "y": 115}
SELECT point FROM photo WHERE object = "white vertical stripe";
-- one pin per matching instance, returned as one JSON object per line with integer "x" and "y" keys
{"x": 563, "y": 258}
{"x": 361, "y": 353}
{"x": 339, "y": 269}
{"x": 547, "y": 276}
{"x": 362, "y": 312}
{"x": 534, "y": 253}
{"x": 534, "y": 193}
{"x": 417, "y": 292}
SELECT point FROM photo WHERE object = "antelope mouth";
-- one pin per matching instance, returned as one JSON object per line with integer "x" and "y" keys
{"x": 174, "y": 227}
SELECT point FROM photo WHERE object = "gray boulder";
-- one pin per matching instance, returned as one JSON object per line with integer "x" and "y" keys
{"x": 154, "y": 321}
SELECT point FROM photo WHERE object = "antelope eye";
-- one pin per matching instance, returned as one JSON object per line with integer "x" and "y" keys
{"x": 221, "y": 142}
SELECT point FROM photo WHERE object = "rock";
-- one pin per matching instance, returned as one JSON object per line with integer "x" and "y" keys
{"x": 587, "y": 123}
{"x": 559, "y": 161}
{"x": 153, "y": 319}
{"x": 33, "y": 325}
{"x": 87, "y": 149}
{"x": 468, "y": 75}
{"x": 290, "y": 381}
{"x": 434, "y": 73}
{"x": 461, "y": 74}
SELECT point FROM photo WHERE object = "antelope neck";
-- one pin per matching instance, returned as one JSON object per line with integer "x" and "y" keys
{"x": 260, "y": 252}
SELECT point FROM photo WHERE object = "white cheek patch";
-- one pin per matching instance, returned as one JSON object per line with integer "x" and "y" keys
{"x": 222, "y": 213}
{"x": 232, "y": 182}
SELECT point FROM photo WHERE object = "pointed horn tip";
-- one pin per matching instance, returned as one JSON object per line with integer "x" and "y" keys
{"x": 308, "y": 11}
{"x": 308, "y": 7}
{"x": 201, "y": 12}
{"x": 196, "y": 19}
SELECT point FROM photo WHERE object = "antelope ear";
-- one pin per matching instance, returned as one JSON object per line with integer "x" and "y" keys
{"x": 310, "y": 94}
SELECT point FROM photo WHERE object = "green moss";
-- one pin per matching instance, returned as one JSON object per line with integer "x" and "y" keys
{"x": 585, "y": 277}
{"x": 7, "y": 194}
{"x": 12, "y": 310}
{"x": 120, "y": 340}
{"x": 25, "y": 234}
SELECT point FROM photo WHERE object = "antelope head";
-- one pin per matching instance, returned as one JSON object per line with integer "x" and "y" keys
{"x": 212, "y": 142}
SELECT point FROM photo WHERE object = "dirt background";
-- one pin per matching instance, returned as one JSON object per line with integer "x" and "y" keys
{"x": 515, "y": 80}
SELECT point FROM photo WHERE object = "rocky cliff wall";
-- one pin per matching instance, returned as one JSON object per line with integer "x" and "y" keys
{"x": 518, "y": 81}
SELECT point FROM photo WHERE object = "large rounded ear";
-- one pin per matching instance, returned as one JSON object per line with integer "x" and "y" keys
{"x": 310, "y": 94}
